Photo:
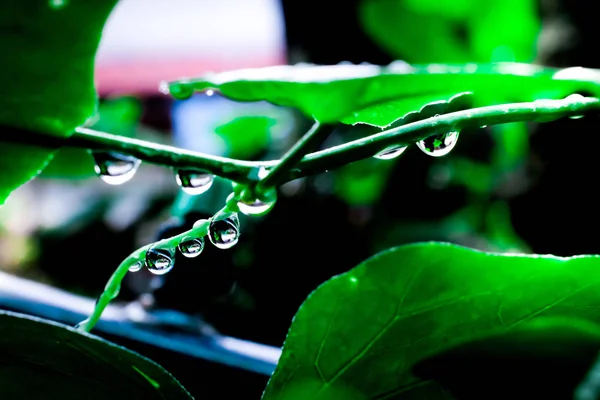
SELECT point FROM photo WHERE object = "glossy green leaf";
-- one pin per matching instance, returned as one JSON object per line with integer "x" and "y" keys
{"x": 41, "y": 359}
{"x": 340, "y": 92}
{"x": 545, "y": 358}
{"x": 47, "y": 80}
{"x": 362, "y": 331}
{"x": 118, "y": 116}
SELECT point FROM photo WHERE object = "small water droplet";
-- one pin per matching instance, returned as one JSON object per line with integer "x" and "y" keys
{"x": 160, "y": 261}
{"x": 438, "y": 145}
{"x": 136, "y": 266}
{"x": 181, "y": 91}
{"x": 191, "y": 247}
{"x": 255, "y": 207}
{"x": 115, "y": 168}
{"x": 225, "y": 233}
{"x": 390, "y": 153}
{"x": 194, "y": 182}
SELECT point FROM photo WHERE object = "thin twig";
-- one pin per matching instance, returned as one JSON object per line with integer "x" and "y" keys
{"x": 311, "y": 139}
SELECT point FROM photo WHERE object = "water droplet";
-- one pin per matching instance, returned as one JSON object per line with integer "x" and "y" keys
{"x": 181, "y": 91}
{"x": 390, "y": 153}
{"x": 115, "y": 168}
{"x": 194, "y": 182}
{"x": 160, "y": 261}
{"x": 209, "y": 92}
{"x": 191, "y": 247}
{"x": 439, "y": 145}
{"x": 225, "y": 233}
{"x": 136, "y": 266}
{"x": 255, "y": 207}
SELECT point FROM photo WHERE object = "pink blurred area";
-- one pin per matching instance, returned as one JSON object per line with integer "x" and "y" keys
{"x": 147, "y": 41}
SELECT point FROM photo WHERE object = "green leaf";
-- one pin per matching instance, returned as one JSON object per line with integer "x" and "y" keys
{"x": 341, "y": 92}
{"x": 42, "y": 359}
{"x": 46, "y": 76}
{"x": 546, "y": 358}
{"x": 362, "y": 331}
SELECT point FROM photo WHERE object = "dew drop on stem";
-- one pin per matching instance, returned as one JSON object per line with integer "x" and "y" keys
{"x": 136, "y": 266}
{"x": 160, "y": 261}
{"x": 390, "y": 153}
{"x": 114, "y": 168}
{"x": 255, "y": 207}
{"x": 191, "y": 247}
{"x": 439, "y": 145}
{"x": 194, "y": 182}
{"x": 224, "y": 232}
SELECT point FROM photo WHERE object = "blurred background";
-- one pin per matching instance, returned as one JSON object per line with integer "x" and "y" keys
{"x": 509, "y": 188}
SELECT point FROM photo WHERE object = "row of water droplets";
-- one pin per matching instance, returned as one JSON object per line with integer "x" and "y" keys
{"x": 116, "y": 169}
{"x": 437, "y": 145}
{"x": 223, "y": 233}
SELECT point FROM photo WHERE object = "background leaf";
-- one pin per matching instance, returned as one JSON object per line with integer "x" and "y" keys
{"x": 118, "y": 116}
{"x": 41, "y": 360}
{"x": 363, "y": 331}
{"x": 340, "y": 92}
{"x": 46, "y": 77}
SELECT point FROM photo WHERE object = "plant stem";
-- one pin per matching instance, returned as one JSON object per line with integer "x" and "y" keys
{"x": 405, "y": 135}
{"x": 311, "y": 139}
{"x": 246, "y": 172}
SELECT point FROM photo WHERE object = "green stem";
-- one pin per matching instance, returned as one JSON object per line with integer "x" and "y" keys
{"x": 405, "y": 135}
{"x": 113, "y": 286}
{"x": 235, "y": 170}
{"x": 311, "y": 139}
{"x": 246, "y": 172}
{"x": 111, "y": 290}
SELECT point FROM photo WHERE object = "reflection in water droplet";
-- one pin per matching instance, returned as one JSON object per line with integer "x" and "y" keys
{"x": 225, "y": 233}
{"x": 194, "y": 182}
{"x": 160, "y": 261}
{"x": 191, "y": 247}
{"x": 209, "y": 92}
{"x": 255, "y": 207}
{"x": 136, "y": 266}
{"x": 576, "y": 116}
{"x": 262, "y": 172}
{"x": 438, "y": 145}
{"x": 114, "y": 168}
{"x": 390, "y": 153}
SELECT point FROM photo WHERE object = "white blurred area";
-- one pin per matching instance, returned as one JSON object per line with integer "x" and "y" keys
{"x": 147, "y": 41}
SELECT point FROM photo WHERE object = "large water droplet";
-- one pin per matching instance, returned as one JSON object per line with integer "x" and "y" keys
{"x": 115, "y": 168}
{"x": 191, "y": 247}
{"x": 160, "y": 261}
{"x": 439, "y": 145}
{"x": 194, "y": 182}
{"x": 136, "y": 266}
{"x": 225, "y": 233}
{"x": 390, "y": 153}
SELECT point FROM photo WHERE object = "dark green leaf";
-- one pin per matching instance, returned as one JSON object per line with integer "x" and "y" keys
{"x": 44, "y": 360}
{"x": 341, "y": 92}
{"x": 546, "y": 358}
{"x": 47, "y": 80}
{"x": 363, "y": 331}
